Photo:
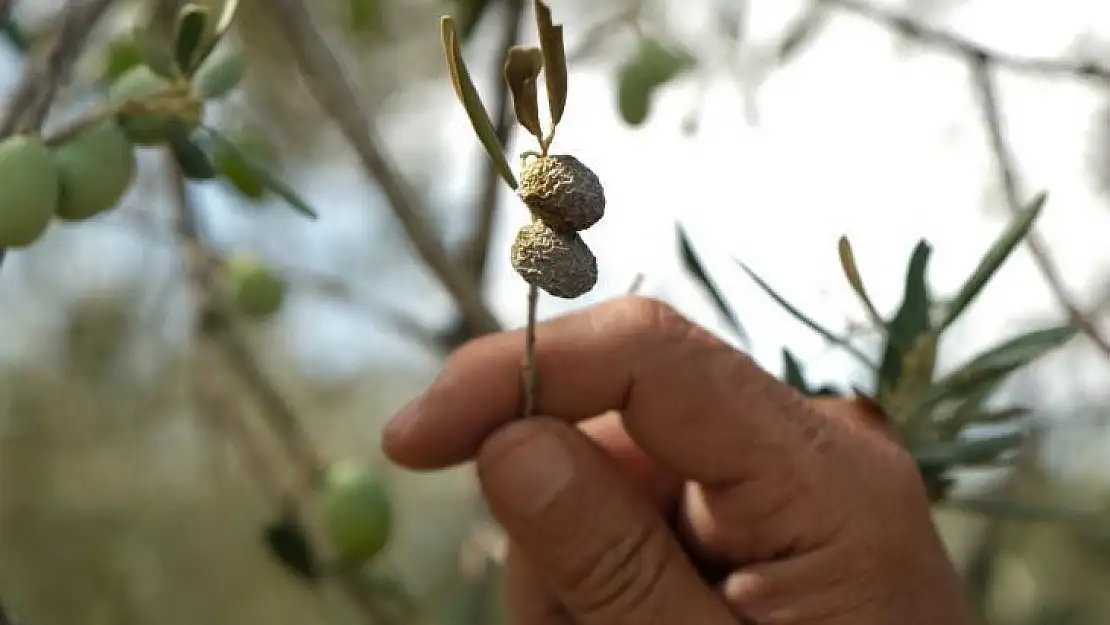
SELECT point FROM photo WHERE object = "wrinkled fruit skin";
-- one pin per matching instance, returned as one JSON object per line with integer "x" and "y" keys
{"x": 28, "y": 190}
{"x": 141, "y": 82}
{"x": 95, "y": 168}
{"x": 562, "y": 192}
{"x": 355, "y": 511}
{"x": 258, "y": 292}
{"x": 559, "y": 263}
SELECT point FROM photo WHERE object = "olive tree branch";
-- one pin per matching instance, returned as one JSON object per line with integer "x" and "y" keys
{"x": 30, "y": 104}
{"x": 982, "y": 60}
{"x": 331, "y": 89}
{"x": 992, "y": 119}
{"x": 216, "y": 335}
{"x": 1087, "y": 70}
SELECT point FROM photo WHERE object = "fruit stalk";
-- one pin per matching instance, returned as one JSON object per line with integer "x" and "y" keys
{"x": 529, "y": 371}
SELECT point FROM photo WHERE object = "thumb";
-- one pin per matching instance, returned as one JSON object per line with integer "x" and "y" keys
{"x": 599, "y": 545}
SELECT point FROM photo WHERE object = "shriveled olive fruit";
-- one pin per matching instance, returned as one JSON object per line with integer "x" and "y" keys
{"x": 95, "y": 168}
{"x": 28, "y": 190}
{"x": 560, "y": 263}
{"x": 562, "y": 192}
{"x": 356, "y": 512}
{"x": 257, "y": 291}
{"x": 148, "y": 129}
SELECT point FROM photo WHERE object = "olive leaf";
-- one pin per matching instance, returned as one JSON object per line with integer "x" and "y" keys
{"x": 910, "y": 321}
{"x": 192, "y": 24}
{"x": 992, "y": 366}
{"x": 270, "y": 181}
{"x": 691, "y": 263}
{"x": 970, "y": 452}
{"x": 825, "y": 333}
{"x": 802, "y": 32}
{"x": 192, "y": 159}
{"x": 472, "y": 102}
{"x": 792, "y": 372}
{"x": 855, "y": 280}
{"x": 1006, "y": 243}
{"x": 522, "y": 67}
{"x": 217, "y": 29}
{"x": 287, "y": 541}
{"x": 220, "y": 75}
{"x": 554, "y": 60}
{"x": 654, "y": 64}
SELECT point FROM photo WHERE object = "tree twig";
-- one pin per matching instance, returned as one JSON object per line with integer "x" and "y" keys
{"x": 954, "y": 43}
{"x": 30, "y": 104}
{"x": 331, "y": 89}
{"x": 528, "y": 371}
{"x": 992, "y": 119}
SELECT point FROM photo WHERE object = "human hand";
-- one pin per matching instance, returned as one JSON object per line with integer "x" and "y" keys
{"x": 671, "y": 480}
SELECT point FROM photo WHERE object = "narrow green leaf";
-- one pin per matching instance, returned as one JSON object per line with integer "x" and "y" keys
{"x": 801, "y": 33}
{"x": 192, "y": 160}
{"x": 521, "y": 69}
{"x": 995, "y": 256}
{"x": 855, "y": 280}
{"x": 691, "y": 263}
{"x": 792, "y": 372}
{"x": 662, "y": 61}
{"x": 219, "y": 76}
{"x": 268, "y": 179}
{"x": 468, "y": 96}
{"x": 555, "y": 61}
{"x": 192, "y": 24}
{"x": 948, "y": 455}
{"x": 805, "y": 320}
{"x": 992, "y": 366}
{"x": 910, "y": 321}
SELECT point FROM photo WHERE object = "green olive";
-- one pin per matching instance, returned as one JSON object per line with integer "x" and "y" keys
{"x": 28, "y": 190}
{"x": 258, "y": 292}
{"x": 356, "y": 512}
{"x": 148, "y": 129}
{"x": 96, "y": 167}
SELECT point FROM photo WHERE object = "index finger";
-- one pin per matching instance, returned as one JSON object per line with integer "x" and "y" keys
{"x": 698, "y": 406}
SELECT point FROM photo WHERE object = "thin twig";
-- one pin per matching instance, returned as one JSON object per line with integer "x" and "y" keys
{"x": 992, "y": 118}
{"x": 952, "y": 42}
{"x": 331, "y": 89}
{"x": 30, "y": 104}
{"x": 637, "y": 282}
{"x": 529, "y": 369}
{"x": 216, "y": 334}
{"x": 476, "y": 253}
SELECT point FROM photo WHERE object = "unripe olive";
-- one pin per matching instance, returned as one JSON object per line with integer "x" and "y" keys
{"x": 560, "y": 263}
{"x": 95, "y": 168}
{"x": 256, "y": 291}
{"x": 147, "y": 129}
{"x": 356, "y": 512}
{"x": 563, "y": 192}
{"x": 28, "y": 190}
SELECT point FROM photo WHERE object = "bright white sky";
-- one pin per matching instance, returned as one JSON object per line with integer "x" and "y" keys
{"x": 852, "y": 138}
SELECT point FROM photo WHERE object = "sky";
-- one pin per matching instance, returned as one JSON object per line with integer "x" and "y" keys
{"x": 853, "y": 137}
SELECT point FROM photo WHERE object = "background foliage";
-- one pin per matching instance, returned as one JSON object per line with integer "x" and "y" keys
{"x": 132, "y": 493}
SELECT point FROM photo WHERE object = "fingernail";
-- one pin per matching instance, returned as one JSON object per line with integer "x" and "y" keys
{"x": 527, "y": 467}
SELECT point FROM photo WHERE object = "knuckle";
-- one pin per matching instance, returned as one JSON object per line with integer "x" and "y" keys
{"x": 644, "y": 317}
{"x": 617, "y": 580}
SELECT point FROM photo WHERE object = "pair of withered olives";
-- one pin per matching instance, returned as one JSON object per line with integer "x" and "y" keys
{"x": 565, "y": 197}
